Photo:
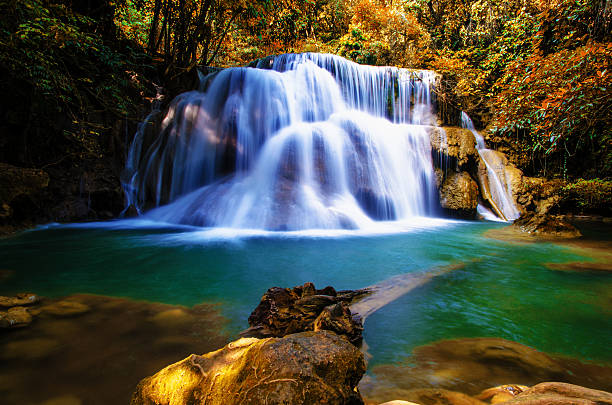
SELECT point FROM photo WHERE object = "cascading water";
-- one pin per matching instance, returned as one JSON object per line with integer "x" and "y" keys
{"x": 499, "y": 188}
{"x": 302, "y": 141}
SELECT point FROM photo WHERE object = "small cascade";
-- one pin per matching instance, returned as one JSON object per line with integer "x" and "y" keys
{"x": 302, "y": 141}
{"x": 497, "y": 186}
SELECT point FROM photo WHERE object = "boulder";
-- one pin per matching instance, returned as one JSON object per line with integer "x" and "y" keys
{"x": 459, "y": 195}
{"x": 16, "y": 317}
{"x": 557, "y": 393}
{"x": 304, "y": 368}
{"x": 21, "y": 299}
{"x": 283, "y": 311}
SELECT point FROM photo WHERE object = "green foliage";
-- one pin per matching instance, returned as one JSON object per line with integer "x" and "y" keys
{"x": 59, "y": 53}
{"x": 593, "y": 195}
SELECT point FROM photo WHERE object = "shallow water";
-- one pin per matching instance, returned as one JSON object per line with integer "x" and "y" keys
{"x": 504, "y": 289}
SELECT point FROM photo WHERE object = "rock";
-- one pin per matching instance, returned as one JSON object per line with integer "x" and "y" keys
{"x": 283, "y": 311}
{"x": 457, "y": 145}
{"x": 546, "y": 225}
{"x": 508, "y": 175}
{"x": 472, "y": 365}
{"x": 16, "y": 317}
{"x": 459, "y": 195}
{"x": 501, "y": 393}
{"x": 19, "y": 300}
{"x": 556, "y": 393}
{"x": 65, "y": 308}
{"x": 537, "y": 194}
{"x": 303, "y": 368}
{"x": 338, "y": 319}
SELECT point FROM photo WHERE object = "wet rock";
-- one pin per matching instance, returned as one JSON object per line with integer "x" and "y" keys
{"x": 283, "y": 311}
{"x": 458, "y": 145}
{"x": 338, "y": 319}
{"x": 65, "y": 308}
{"x": 459, "y": 195}
{"x": 16, "y": 317}
{"x": 510, "y": 177}
{"x": 19, "y": 300}
{"x": 556, "y": 393}
{"x": 501, "y": 393}
{"x": 303, "y": 368}
{"x": 546, "y": 225}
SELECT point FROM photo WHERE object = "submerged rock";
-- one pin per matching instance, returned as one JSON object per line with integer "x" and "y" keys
{"x": 433, "y": 396}
{"x": 304, "y": 368}
{"x": 283, "y": 311}
{"x": 472, "y": 365}
{"x": 501, "y": 393}
{"x": 65, "y": 308}
{"x": 556, "y": 393}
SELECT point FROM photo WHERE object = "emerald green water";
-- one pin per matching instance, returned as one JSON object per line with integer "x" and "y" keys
{"x": 503, "y": 291}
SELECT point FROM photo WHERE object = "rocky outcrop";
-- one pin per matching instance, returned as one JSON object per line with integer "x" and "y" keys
{"x": 459, "y": 195}
{"x": 509, "y": 177}
{"x": 546, "y": 225}
{"x": 283, "y": 311}
{"x": 304, "y": 368}
{"x": 457, "y": 146}
{"x": 455, "y": 161}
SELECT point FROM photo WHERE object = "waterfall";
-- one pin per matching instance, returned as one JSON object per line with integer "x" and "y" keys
{"x": 300, "y": 141}
{"x": 499, "y": 187}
